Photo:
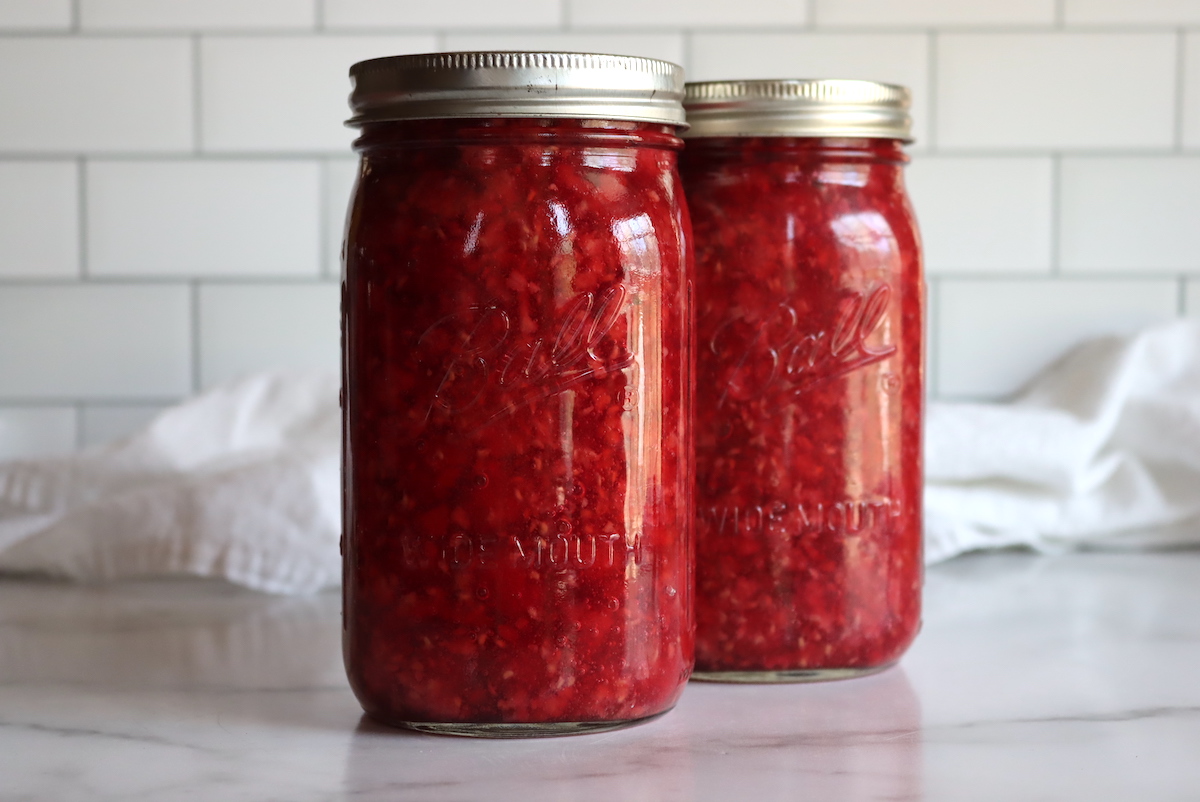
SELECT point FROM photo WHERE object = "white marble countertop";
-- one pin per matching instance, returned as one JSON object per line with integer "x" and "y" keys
{"x": 1062, "y": 678}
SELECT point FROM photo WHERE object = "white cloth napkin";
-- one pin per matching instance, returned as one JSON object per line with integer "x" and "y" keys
{"x": 1103, "y": 449}
{"x": 241, "y": 482}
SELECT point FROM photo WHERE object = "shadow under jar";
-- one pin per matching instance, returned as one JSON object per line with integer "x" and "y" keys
{"x": 810, "y": 305}
{"x": 516, "y": 501}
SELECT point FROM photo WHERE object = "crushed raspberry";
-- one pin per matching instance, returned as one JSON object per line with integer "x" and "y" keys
{"x": 809, "y": 302}
{"x": 517, "y": 377}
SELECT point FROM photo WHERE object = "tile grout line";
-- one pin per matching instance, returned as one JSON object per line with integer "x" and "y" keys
{"x": 1181, "y": 297}
{"x": 319, "y": 15}
{"x": 1060, "y": 14}
{"x": 564, "y": 8}
{"x": 810, "y": 13}
{"x": 76, "y": 23}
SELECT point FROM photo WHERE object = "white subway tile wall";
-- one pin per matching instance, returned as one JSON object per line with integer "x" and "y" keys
{"x": 894, "y": 58}
{"x": 39, "y": 219}
{"x": 37, "y": 431}
{"x": 633, "y": 14}
{"x": 925, "y": 13}
{"x": 79, "y": 94}
{"x": 284, "y": 93}
{"x": 244, "y": 327}
{"x": 103, "y": 423}
{"x": 1132, "y": 12}
{"x": 984, "y": 214}
{"x": 1056, "y": 90}
{"x": 35, "y": 15}
{"x": 339, "y": 184}
{"x": 477, "y": 14}
{"x": 95, "y": 340}
{"x": 1134, "y": 214}
{"x": 993, "y": 336}
{"x": 203, "y": 218}
{"x": 1191, "y": 91}
{"x": 173, "y": 176}
{"x": 202, "y": 15}
{"x": 1191, "y": 298}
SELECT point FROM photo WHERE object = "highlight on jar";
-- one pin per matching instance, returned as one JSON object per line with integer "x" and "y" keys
{"x": 809, "y": 387}
{"x": 516, "y": 371}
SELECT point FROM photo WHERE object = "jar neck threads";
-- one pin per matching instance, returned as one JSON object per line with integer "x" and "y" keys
{"x": 407, "y": 134}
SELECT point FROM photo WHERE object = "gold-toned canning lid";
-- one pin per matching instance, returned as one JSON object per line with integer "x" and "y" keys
{"x": 516, "y": 84}
{"x": 799, "y": 107}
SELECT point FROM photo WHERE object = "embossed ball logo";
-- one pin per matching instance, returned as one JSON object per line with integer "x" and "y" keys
{"x": 491, "y": 361}
{"x": 777, "y": 355}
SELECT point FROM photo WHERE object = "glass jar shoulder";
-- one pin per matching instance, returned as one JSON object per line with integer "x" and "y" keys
{"x": 531, "y": 202}
{"x": 503, "y": 158}
{"x": 765, "y": 182}
{"x": 799, "y": 220}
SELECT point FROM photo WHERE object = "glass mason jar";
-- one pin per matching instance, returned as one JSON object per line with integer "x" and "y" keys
{"x": 809, "y": 303}
{"x": 516, "y": 376}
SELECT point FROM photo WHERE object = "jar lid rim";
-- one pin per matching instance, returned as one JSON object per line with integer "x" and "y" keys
{"x": 805, "y": 107}
{"x": 516, "y": 83}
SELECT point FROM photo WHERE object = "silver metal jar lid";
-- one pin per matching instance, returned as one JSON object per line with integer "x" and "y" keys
{"x": 516, "y": 84}
{"x": 825, "y": 108}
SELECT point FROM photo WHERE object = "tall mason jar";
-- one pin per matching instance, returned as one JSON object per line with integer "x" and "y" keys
{"x": 810, "y": 308}
{"x": 516, "y": 377}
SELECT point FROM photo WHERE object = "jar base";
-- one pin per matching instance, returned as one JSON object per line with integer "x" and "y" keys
{"x": 534, "y": 729}
{"x": 789, "y": 675}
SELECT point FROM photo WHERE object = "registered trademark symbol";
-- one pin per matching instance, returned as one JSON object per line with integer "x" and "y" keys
{"x": 629, "y": 398}
{"x": 890, "y": 382}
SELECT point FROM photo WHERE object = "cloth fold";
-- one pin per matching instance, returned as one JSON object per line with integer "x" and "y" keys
{"x": 241, "y": 483}
{"x": 1102, "y": 449}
